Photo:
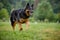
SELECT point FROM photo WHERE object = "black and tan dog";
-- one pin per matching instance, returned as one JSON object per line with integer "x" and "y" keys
{"x": 21, "y": 16}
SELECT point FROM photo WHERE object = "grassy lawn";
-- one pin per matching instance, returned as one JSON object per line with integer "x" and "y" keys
{"x": 39, "y": 31}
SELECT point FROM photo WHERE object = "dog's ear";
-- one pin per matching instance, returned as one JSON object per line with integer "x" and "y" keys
{"x": 32, "y": 5}
{"x": 28, "y": 4}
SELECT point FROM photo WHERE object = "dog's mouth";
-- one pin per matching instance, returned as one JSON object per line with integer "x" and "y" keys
{"x": 27, "y": 12}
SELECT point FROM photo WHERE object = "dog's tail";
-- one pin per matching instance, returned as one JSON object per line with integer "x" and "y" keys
{"x": 12, "y": 10}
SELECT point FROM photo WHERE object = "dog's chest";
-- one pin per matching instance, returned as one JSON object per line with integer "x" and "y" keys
{"x": 22, "y": 20}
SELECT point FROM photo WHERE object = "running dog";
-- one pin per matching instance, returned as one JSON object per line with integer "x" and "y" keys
{"x": 21, "y": 16}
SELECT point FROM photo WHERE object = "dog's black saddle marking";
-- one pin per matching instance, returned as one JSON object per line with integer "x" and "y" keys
{"x": 17, "y": 14}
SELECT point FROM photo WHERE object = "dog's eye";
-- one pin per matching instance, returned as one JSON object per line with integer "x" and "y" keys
{"x": 27, "y": 11}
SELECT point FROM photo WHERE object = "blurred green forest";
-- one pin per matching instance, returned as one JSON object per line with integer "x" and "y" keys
{"x": 44, "y": 10}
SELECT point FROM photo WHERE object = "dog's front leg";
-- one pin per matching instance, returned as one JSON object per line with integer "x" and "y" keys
{"x": 27, "y": 24}
{"x": 20, "y": 26}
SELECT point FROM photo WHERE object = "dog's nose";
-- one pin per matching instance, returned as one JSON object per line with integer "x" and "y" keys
{"x": 27, "y": 11}
{"x": 31, "y": 11}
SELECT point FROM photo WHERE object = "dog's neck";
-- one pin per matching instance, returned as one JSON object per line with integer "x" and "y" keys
{"x": 25, "y": 10}
{"x": 24, "y": 15}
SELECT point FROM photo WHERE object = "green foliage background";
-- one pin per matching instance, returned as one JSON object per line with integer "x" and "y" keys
{"x": 45, "y": 9}
{"x": 4, "y": 13}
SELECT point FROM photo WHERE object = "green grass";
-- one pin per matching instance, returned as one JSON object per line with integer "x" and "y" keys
{"x": 39, "y": 31}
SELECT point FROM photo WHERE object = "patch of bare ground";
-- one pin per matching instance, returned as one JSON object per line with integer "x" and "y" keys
{"x": 50, "y": 34}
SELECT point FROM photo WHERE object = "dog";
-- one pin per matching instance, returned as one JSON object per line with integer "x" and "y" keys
{"x": 21, "y": 16}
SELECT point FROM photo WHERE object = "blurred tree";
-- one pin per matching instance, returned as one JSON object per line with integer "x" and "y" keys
{"x": 59, "y": 17}
{"x": 23, "y": 2}
{"x": 56, "y": 5}
{"x": 4, "y": 14}
{"x": 44, "y": 10}
{"x": 36, "y": 3}
{"x": 6, "y": 4}
{"x": 1, "y": 5}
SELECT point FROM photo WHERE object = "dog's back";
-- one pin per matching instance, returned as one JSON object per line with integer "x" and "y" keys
{"x": 17, "y": 14}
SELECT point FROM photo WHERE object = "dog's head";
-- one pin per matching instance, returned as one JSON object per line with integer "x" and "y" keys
{"x": 29, "y": 9}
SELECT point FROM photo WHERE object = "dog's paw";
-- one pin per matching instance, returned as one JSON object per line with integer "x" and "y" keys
{"x": 21, "y": 29}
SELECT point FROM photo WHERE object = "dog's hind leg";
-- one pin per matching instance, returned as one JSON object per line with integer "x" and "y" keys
{"x": 13, "y": 25}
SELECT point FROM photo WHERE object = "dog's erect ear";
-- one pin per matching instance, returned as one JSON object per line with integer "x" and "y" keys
{"x": 28, "y": 4}
{"x": 32, "y": 5}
